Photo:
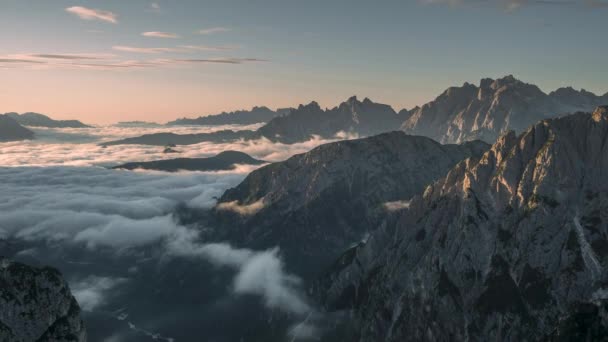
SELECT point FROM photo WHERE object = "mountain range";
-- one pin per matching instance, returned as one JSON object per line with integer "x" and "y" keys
{"x": 240, "y": 117}
{"x": 223, "y": 161}
{"x": 11, "y": 130}
{"x": 492, "y": 108}
{"x": 40, "y": 120}
{"x": 512, "y": 245}
{"x": 459, "y": 114}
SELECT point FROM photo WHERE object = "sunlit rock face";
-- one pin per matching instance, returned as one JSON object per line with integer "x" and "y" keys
{"x": 36, "y": 305}
{"x": 493, "y": 108}
{"x": 512, "y": 246}
{"x": 317, "y": 204}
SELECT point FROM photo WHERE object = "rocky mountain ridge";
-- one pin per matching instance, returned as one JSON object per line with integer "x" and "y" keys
{"x": 510, "y": 246}
{"x": 316, "y": 204}
{"x": 492, "y": 108}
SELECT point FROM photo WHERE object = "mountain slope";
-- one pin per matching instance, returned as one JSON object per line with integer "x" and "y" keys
{"x": 316, "y": 204}
{"x": 240, "y": 117}
{"x": 40, "y": 120}
{"x": 36, "y": 305}
{"x": 496, "y": 106}
{"x": 512, "y": 246}
{"x": 223, "y": 161}
{"x": 11, "y": 130}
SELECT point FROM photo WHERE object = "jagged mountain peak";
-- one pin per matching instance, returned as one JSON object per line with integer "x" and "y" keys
{"x": 501, "y": 248}
{"x": 496, "y": 106}
{"x": 313, "y": 105}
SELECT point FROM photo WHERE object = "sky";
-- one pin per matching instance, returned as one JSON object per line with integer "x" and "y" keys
{"x": 114, "y": 60}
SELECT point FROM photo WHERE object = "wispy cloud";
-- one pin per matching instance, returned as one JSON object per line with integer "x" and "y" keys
{"x": 208, "y": 48}
{"x": 144, "y": 49}
{"x": 512, "y": 5}
{"x": 19, "y": 60}
{"x": 157, "y": 34}
{"x": 213, "y": 30}
{"x": 72, "y": 56}
{"x": 93, "y": 14}
{"x": 155, "y": 7}
{"x": 220, "y": 60}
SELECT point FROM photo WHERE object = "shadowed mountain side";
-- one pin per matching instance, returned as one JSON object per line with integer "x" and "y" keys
{"x": 223, "y": 161}
{"x": 317, "y": 204}
{"x": 11, "y": 130}
{"x": 511, "y": 246}
{"x": 40, "y": 120}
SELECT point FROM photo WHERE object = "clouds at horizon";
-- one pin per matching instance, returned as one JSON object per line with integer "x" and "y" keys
{"x": 80, "y": 147}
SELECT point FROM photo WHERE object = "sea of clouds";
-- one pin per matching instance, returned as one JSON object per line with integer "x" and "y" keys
{"x": 57, "y": 190}
{"x": 82, "y": 146}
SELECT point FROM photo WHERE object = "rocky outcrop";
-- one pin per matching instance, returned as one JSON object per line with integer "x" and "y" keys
{"x": 226, "y": 160}
{"x": 317, "y": 204}
{"x": 40, "y": 120}
{"x": 36, "y": 305}
{"x": 11, "y": 130}
{"x": 511, "y": 246}
{"x": 492, "y": 108}
{"x": 240, "y": 117}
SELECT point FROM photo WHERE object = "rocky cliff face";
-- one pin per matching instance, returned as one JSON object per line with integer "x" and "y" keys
{"x": 36, "y": 305}
{"x": 511, "y": 246}
{"x": 317, "y": 204}
{"x": 364, "y": 118}
{"x": 11, "y": 130}
{"x": 492, "y": 108}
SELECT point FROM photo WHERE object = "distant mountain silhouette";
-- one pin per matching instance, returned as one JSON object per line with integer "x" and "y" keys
{"x": 11, "y": 130}
{"x": 240, "y": 117}
{"x": 40, "y": 120}
{"x": 223, "y": 161}
{"x": 363, "y": 118}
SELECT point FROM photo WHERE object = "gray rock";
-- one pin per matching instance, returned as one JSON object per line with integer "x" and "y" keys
{"x": 510, "y": 246}
{"x": 36, "y": 305}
